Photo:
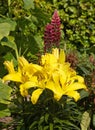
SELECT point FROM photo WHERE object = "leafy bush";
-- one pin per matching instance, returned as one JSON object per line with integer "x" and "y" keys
{"x": 22, "y": 25}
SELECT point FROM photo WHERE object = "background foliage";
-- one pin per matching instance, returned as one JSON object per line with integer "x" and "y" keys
{"x": 22, "y": 24}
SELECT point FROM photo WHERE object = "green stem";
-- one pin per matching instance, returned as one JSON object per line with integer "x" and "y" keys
{"x": 17, "y": 55}
{"x": 9, "y": 7}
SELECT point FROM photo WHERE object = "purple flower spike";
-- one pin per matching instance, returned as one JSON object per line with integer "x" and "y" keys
{"x": 52, "y": 32}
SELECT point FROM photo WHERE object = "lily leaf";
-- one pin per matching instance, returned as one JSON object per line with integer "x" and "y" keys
{"x": 4, "y": 111}
{"x": 28, "y": 4}
{"x": 9, "y": 41}
{"x": 5, "y": 93}
{"x": 85, "y": 122}
{"x": 6, "y": 25}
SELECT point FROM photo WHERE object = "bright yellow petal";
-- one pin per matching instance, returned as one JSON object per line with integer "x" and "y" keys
{"x": 30, "y": 84}
{"x": 48, "y": 59}
{"x": 55, "y": 77}
{"x": 63, "y": 78}
{"x": 22, "y": 62}
{"x": 58, "y": 96}
{"x": 56, "y": 89}
{"x": 75, "y": 86}
{"x": 80, "y": 79}
{"x": 35, "y": 95}
{"x": 55, "y": 52}
{"x": 10, "y": 67}
{"x": 73, "y": 94}
{"x": 13, "y": 77}
{"x": 50, "y": 86}
{"x": 62, "y": 57}
{"x": 23, "y": 91}
{"x": 59, "y": 54}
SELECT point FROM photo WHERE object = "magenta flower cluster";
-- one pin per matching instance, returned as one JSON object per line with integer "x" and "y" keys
{"x": 52, "y": 32}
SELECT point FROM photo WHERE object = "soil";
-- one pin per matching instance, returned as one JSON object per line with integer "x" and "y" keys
{"x": 6, "y": 121}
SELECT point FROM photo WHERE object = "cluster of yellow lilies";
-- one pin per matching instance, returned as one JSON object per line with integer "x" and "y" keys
{"x": 53, "y": 73}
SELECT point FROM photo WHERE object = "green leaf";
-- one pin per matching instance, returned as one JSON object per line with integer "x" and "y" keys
{"x": 9, "y": 56}
{"x": 9, "y": 41}
{"x": 46, "y": 117}
{"x": 28, "y": 4}
{"x": 58, "y": 127}
{"x": 5, "y": 92}
{"x": 4, "y": 30}
{"x": 51, "y": 126}
{"x": 85, "y": 122}
{"x": 6, "y": 25}
{"x": 84, "y": 94}
{"x": 46, "y": 128}
{"x": 33, "y": 125}
{"x": 4, "y": 111}
{"x": 93, "y": 120}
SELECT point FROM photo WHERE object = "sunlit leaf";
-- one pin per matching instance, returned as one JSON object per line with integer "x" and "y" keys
{"x": 4, "y": 111}
{"x": 5, "y": 92}
{"x": 6, "y": 25}
{"x": 85, "y": 122}
{"x": 28, "y": 4}
{"x": 9, "y": 41}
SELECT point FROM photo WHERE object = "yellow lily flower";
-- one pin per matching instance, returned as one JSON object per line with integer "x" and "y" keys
{"x": 9, "y": 65}
{"x": 13, "y": 75}
{"x": 64, "y": 80}
{"x": 35, "y": 95}
{"x": 59, "y": 54}
{"x": 29, "y": 75}
{"x": 53, "y": 73}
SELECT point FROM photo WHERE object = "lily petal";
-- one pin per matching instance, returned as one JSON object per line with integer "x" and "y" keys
{"x": 75, "y": 86}
{"x": 35, "y": 95}
{"x": 13, "y": 77}
{"x": 23, "y": 91}
{"x": 56, "y": 89}
{"x": 74, "y": 94}
{"x": 62, "y": 57}
{"x": 10, "y": 67}
{"x": 22, "y": 62}
{"x": 30, "y": 84}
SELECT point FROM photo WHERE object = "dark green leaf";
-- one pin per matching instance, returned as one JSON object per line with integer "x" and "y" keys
{"x": 5, "y": 92}
{"x": 9, "y": 41}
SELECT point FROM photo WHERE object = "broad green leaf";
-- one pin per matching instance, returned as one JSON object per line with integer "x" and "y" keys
{"x": 84, "y": 94}
{"x": 28, "y": 4}
{"x": 4, "y": 111}
{"x": 85, "y": 122}
{"x": 4, "y": 30}
{"x": 6, "y": 25}
{"x": 9, "y": 41}
{"x": 5, "y": 92}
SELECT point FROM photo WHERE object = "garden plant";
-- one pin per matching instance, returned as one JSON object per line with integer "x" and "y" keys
{"x": 47, "y": 64}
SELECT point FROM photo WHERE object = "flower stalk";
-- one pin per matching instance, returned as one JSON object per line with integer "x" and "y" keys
{"x": 52, "y": 33}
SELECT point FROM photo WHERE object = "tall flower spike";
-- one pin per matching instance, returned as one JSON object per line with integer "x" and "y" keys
{"x": 52, "y": 32}
{"x": 48, "y": 38}
{"x": 55, "y": 22}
